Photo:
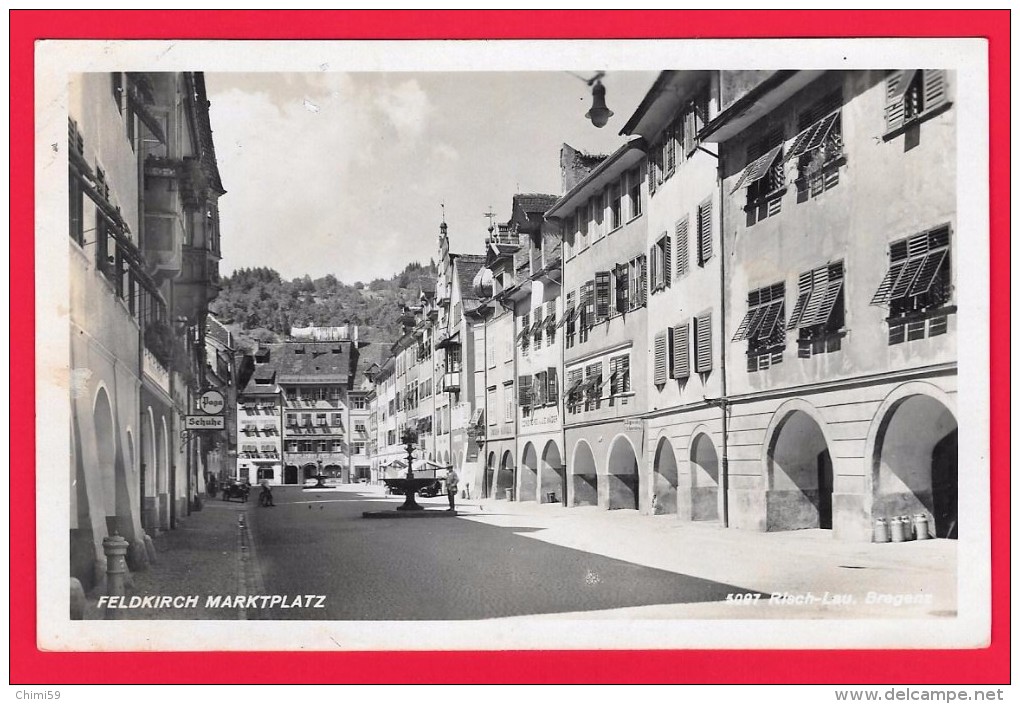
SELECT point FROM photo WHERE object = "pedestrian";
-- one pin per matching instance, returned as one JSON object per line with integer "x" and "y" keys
{"x": 451, "y": 486}
{"x": 266, "y": 495}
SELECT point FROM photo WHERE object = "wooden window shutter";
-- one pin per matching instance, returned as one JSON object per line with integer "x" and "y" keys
{"x": 667, "y": 260}
{"x": 643, "y": 282}
{"x": 538, "y": 389}
{"x": 621, "y": 288}
{"x": 603, "y": 292}
{"x": 681, "y": 351}
{"x": 704, "y": 232}
{"x": 935, "y": 89}
{"x": 552, "y": 385}
{"x": 661, "y": 358}
{"x": 683, "y": 261}
{"x": 655, "y": 269}
{"x": 894, "y": 89}
{"x": 524, "y": 391}
{"x": 703, "y": 341}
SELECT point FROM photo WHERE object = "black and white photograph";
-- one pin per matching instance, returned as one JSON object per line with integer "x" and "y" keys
{"x": 447, "y": 345}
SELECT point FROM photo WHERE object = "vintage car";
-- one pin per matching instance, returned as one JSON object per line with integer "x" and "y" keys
{"x": 235, "y": 490}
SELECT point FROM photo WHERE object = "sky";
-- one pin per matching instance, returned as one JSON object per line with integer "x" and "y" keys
{"x": 345, "y": 173}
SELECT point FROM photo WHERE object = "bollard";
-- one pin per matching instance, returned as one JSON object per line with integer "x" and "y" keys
{"x": 896, "y": 530}
{"x": 921, "y": 526}
{"x": 550, "y": 498}
{"x": 908, "y": 528}
{"x": 115, "y": 548}
{"x": 881, "y": 533}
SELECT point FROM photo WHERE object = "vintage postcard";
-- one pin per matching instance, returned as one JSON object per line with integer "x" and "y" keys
{"x": 473, "y": 345}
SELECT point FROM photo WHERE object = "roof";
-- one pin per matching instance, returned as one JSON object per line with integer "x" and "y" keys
{"x": 205, "y": 138}
{"x": 466, "y": 266}
{"x": 533, "y": 202}
{"x": 216, "y": 330}
{"x": 307, "y": 361}
{"x": 619, "y": 161}
{"x": 369, "y": 355}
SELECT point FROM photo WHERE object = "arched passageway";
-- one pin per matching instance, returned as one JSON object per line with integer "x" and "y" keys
{"x": 106, "y": 457}
{"x": 584, "y": 476}
{"x": 704, "y": 479}
{"x": 310, "y": 470}
{"x": 800, "y": 493}
{"x": 505, "y": 477}
{"x": 622, "y": 474}
{"x": 665, "y": 480}
{"x": 916, "y": 461}
{"x": 552, "y": 476}
{"x": 529, "y": 474}
{"x": 490, "y": 476}
{"x": 290, "y": 474}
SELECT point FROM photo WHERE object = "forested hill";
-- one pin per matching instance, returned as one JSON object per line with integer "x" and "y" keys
{"x": 257, "y": 304}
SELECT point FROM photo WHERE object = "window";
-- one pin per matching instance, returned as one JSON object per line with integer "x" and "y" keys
{"x": 703, "y": 343}
{"x": 818, "y": 146}
{"x": 582, "y": 226}
{"x": 818, "y": 312}
{"x": 603, "y": 294}
{"x": 359, "y": 428}
{"x": 680, "y": 360}
{"x": 765, "y": 175}
{"x": 508, "y": 402}
{"x": 552, "y": 386}
{"x": 539, "y": 388}
{"x": 76, "y": 212}
{"x": 634, "y": 193}
{"x": 587, "y": 317}
{"x": 359, "y": 448}
{"x": 593, "y": 386}
{"x": 615, "y": 208}
{"x": 636, "y": 277}
{"x": 598, "y": 214}
{"x": 660, "y": 357}
{"x": 683, "y": 261}
{"x": 360, "y": 403}
{"x": 536, "y": 328}
{"x": 704, "y": 232}
{"x": 694, "y": 118}
{"x": 669, "y": 151}
{"x": 550, "y": 322}
{"x": 524, "y": 392}
{"x": 524, "y": 336}
{"x": 622, "y": 287}
{"x": 306, "y": 419}
{"x": 660, "y": 256}
{"x": 575, "y": 379}
{"x": 912, "y": 94}
{"x": 917, "y": 287}
{"x": 569, "y": 319}
{"x": 320, "y": 419}
{"x": 619, "y": 375}
{"x": 763, "y": 327}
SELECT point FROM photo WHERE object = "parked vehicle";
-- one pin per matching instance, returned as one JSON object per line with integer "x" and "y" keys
{"x": 235, "y": 490}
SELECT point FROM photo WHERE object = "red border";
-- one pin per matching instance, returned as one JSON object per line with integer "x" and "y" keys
{"x": 29, "y": 665}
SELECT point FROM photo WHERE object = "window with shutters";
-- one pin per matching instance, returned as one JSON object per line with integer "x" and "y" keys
{"x": 634, "y": 193}
{"x": 569, "y": 320}
{"x": 637, "y": 281}
{"x": 818, "y": 313}
{"x": 603, "y": 294}
{"x": 818, "y": 146}
{"x": 704, "y": 232}
{"x": 669, "y": 151}
{"x": 615, "y": 207}
{"x": 619, "y": 375}
{"x": 912, "y": 96}
{"x": 525, "y": 396}
{"x": 587, "y": 317}
{"x": 763, "y": 326}
{"x": 620, "y": 272}
{"x": 661, "y": 256}
{"x": 682, "y": 234}
{"x": 536, "y": 327}
{"x": 550, "y": 323}
{"x": 573, "y": 392}
{"x": 917, "y": 286}
{"x": 681, "y": 353}
{"x": 764, "y": 177}
{"x": 593, "y": 386}
{"x": 694, "y": 118}
{"x": 552, "y": 386}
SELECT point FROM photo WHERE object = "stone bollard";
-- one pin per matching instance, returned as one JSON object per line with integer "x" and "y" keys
{"x": 881, "y": 533}
{"x": 77, "y": 600}
{"x": 921, "y": 527}
{"x": 897, "y": 530}
{"x": 115, "y": 549}
{"x": 137, "y": 556}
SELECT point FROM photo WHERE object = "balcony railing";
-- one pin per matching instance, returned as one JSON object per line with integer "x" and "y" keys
{"x": 157, "y": 373}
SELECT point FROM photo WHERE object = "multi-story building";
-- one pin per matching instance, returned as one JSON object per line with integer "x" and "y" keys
{"x": 144, "y": 247}
{"x": 387, "y": 448}
{"x": 259, "y": 423}
{"x": 538, "y": 307}
{"x": 838, "y": 197}
{"x": 683, "y": 421}
{"x": 360, "y": 408}
{"x": 221, "y": 375}
{"x": 605, "y": 270}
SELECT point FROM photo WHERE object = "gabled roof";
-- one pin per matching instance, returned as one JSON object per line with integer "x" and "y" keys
{"x": 467, "y": 265}
{"x": 310, "y": 361}
{"x": 216, "y": 330}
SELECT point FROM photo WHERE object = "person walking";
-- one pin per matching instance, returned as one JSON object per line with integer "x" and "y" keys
{"x": 451, "y": 486}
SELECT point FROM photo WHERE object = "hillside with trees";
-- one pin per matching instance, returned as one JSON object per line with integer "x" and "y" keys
{"x": 257, "y": 304}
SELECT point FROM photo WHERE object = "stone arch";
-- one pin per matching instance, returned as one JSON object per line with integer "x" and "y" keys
{"x": 799, "y": 469}
{"x": 489, "y": 479}
{"x": 914, "y": 458}
{"x": 149, "y": 451}
{"x": 665, "y": 478}
{"x": 505, "y": 475}
{"x": 290, "y": 474}
{"x": 309, "y": 470}
{"x": 624, "y": 482}
{"x": 528, "y": 474}
{"x": 446, "y": 458}
{"x": 106, "y": 451}
{"x": 704, "y": 477}
{"x": 584, "y": 476}
{"x": 551, "y": 475}
{"x": 332, "y": 470}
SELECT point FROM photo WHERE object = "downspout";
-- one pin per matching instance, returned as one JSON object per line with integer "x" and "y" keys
{"x": 724, "y": 399}
{"x": 136, "y": 304}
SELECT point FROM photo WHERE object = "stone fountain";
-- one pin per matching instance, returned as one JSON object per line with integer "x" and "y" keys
{"x": 409, "y": 485}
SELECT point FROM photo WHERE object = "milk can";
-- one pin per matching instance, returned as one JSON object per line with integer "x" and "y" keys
{"x": 881, "y": 534}
{"x": 921, "y": 526}
{"x": 897, "y": 529}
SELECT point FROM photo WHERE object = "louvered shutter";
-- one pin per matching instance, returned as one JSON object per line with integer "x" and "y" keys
{"x": 661, "y": 360}
{"x": 643, "y": 282}
{"x": 524, "y": 391}
{"x": 704, "y": 232}
{"x": 683, "y": 261}
{"x": 654, "y": 267}
{"x": 819, "y": 284}
{"x": 603, "y": 288}
{"x": 895, "y": 86}
{"x": 681, "y": 351}
{"x": 614, "y": 376}
{"x": 624, "y": 369}
{"x": 935, "y": 89}
{"x": 538, "y": 389}
{"x": 552, "y": 386}
{"x": 621, "y": 288}
{"x": 667, "y": 260}
{"x": 703, "y": 340}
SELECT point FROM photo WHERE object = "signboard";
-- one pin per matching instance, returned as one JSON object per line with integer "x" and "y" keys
{"x": 211, "y": 403}
{"x": 204, "y": 423}
{"x": 634, "y": 424}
